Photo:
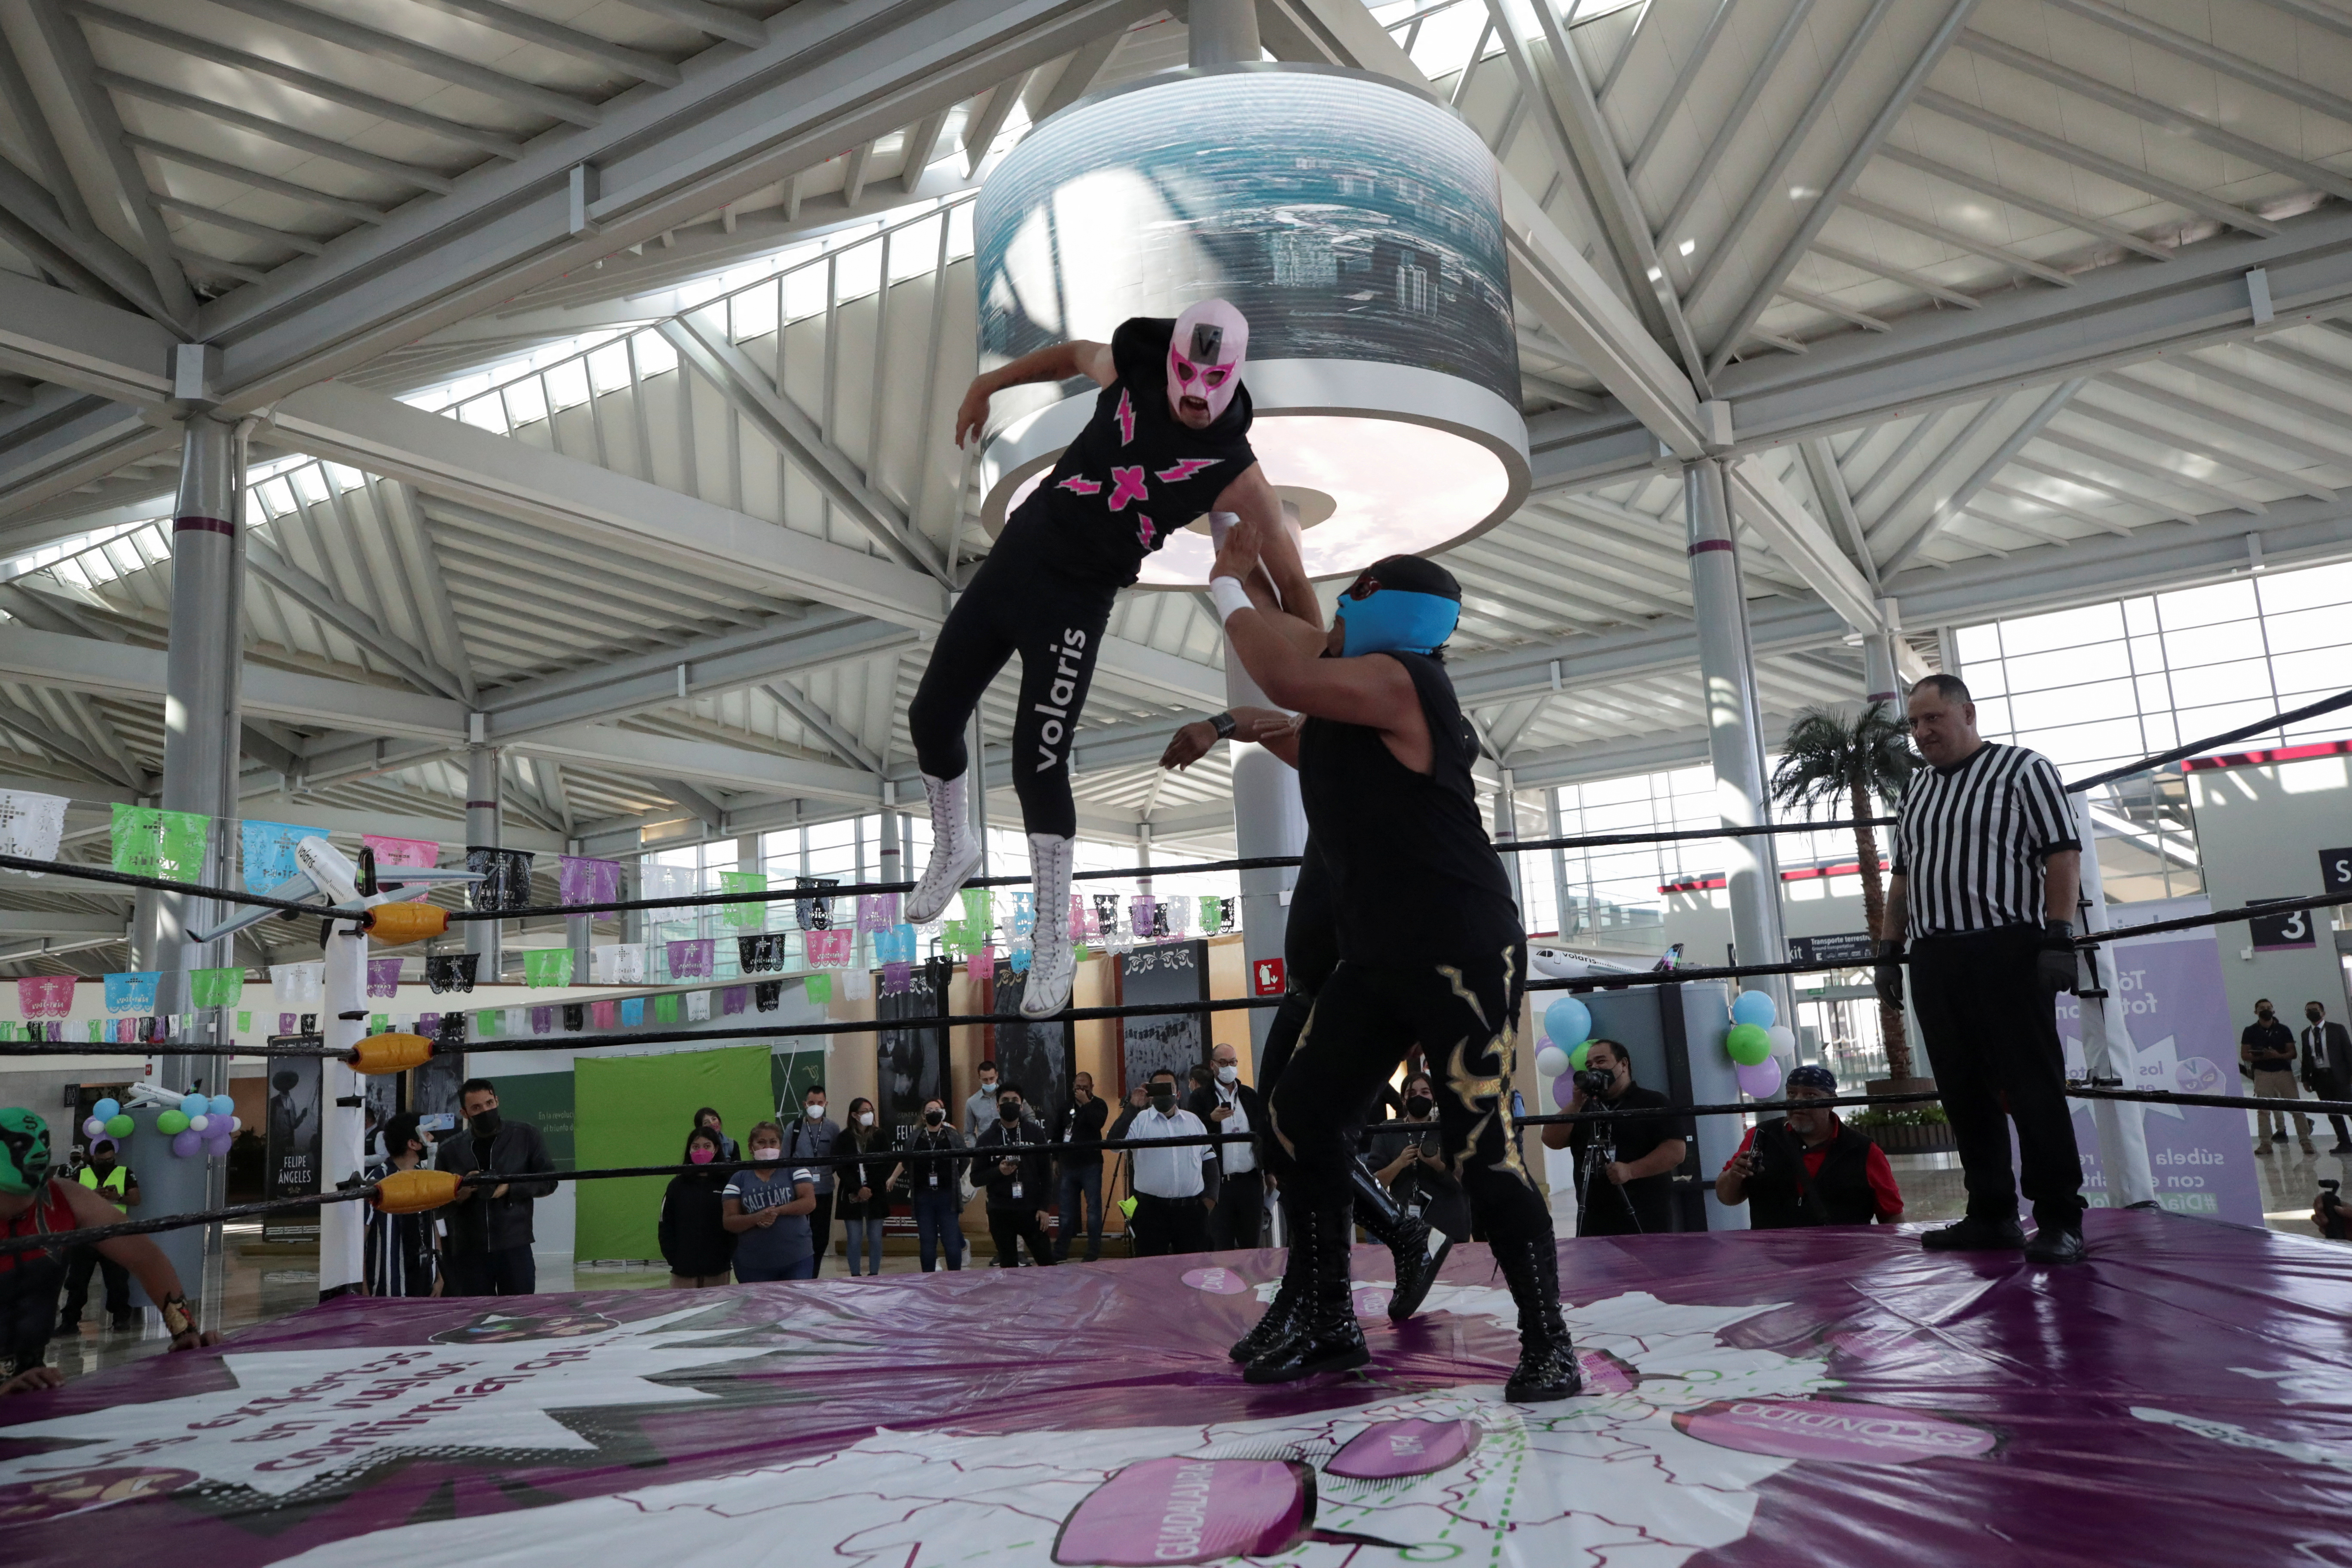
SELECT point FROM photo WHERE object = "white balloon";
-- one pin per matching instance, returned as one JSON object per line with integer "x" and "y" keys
{"x": 198, "y": 1123}
{"x": 237, "y": 1123}
{"x": 1552, "y": 1061}
{"x": 1784, "y": 1041}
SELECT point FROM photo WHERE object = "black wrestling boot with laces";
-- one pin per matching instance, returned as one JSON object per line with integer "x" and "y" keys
{"x": 1324, "y": 1334}
{"x": 1548, "y": 1366}
{"x": 1282, "y": 1312}
{"x": 1407, "y": 1239}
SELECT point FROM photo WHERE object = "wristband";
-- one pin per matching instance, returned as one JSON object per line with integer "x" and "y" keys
{"x": 1223, "y": 723}
{"x": 1230, "y": 596}
{"x": 179, "y": 1316}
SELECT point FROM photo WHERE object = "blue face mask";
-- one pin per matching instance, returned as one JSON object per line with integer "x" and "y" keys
{"x": 1396, "y": 621}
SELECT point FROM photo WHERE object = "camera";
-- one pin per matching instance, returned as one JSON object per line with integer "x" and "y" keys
{"x": 2333, "y": 1222}
{"x": 1592, "y": 1083}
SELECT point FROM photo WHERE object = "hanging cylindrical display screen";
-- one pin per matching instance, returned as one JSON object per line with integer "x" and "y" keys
{"x": 1355, "y": 222}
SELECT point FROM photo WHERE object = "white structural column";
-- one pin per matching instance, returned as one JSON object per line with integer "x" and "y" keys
{"x": 482, "y": 818}
{"x": 1507, "y": 834}
{"x": 342, "y": 1226}
{"x": 1735, "y": 722}
{"x": 1268, "y": 820}
{"x": 200, "y": 767}
{"x": 2108, "y": 1055}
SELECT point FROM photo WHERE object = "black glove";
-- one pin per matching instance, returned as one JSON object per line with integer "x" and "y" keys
{"x": 2055, "y": 966}
{"x": 1888, "y": 975}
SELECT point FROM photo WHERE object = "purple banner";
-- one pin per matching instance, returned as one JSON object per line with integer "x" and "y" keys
{"x": 691, "y": 960}
{"x": 579, "y": 880}
{"x": 383, "y": 977}
{"x": 1754, "y": 1400}
{"x": 2175, "y": 1020}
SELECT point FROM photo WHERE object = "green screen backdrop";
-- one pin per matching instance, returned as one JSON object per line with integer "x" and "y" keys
{"x": 637, "y": 1110}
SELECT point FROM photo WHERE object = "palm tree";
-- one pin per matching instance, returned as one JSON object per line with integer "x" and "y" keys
{"x": 1831, "y": 760}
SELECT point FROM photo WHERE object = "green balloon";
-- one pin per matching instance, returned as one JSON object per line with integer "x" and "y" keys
{"x": 172, "y": 1123}
{"x": 120, "y": 1126}
{"x": 1748, "y": 1044}
{"x": 1576, "y": 1058}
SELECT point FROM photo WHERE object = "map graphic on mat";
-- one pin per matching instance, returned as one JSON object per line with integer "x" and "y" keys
{"x": 1752, "y": 1399}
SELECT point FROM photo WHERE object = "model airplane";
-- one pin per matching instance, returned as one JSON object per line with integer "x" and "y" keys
{"x": 1567, "y": 963}
{"x": 328, "y": 873}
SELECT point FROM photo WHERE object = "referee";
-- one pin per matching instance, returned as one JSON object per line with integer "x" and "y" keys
{"x": 1985, "y": 875}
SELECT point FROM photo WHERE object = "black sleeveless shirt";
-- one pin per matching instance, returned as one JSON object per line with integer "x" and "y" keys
{"x": 1136, "y": 472}
{"x": 1414, "y": 878}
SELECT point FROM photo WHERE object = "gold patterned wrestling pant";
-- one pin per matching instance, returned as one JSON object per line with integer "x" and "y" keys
{"x": 1463, "y": 1015}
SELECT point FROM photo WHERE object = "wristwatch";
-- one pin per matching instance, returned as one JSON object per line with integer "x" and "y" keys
{"x": 1223, "y": 723}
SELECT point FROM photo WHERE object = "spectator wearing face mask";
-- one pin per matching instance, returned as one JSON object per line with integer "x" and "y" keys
{"x": 486, "y": 1251}
{"x": 1408, "y": 1157}
{"x": 980, "y": 1109}
{"x": 1174, "y": 1188}
{"x": 728, "y": 1151}
{"x": 1226, "y": 1104}
{"x": 766, "y": 1207}
{"x": 1018, "y": 1184}
{"x": 402, "y": 1250}
{"x": 1078, "y": 1134}
{"x": 934, "y": 1188}
{"x": 863, "y": 1187}
{"x": 811, "y": 1136}
{"x": 695, "y": 1240}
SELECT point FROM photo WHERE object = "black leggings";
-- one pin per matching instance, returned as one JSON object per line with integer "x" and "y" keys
{"x": 1464, "y": 1015}
{"x": 1310, "y": 952}
{"x": 1017, "y": 604}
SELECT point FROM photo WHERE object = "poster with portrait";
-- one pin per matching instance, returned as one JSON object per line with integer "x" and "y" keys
{"x": 910, "y": 1064}
{"x": 1040, "y": 1057}
{"x": 292, "y": 1122}
{"x": 1170, "y": 971}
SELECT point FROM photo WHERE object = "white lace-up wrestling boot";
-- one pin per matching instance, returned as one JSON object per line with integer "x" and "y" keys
{"x": 1053, "y": 963}
{"x": 954, "y": 851}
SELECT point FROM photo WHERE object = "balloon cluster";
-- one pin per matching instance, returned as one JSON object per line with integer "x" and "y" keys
{"x": 1569, "y": 1023}
{"x": 197, "y": 1125}
{"x": 1758, "y": 1043}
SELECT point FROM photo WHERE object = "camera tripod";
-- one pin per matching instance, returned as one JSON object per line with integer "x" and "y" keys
{"x": 1601, "y": 1152}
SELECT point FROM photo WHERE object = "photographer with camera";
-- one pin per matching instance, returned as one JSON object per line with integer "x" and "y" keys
{"x": 1625, "y": 1164}
{"x": 1809, "y": 1168}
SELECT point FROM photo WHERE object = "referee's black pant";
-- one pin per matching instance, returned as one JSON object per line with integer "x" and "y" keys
{"x": 1161, "y": 1226}
{"x": 1992, "y": 1043}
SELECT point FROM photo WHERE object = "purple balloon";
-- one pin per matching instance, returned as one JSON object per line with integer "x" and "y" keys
{"x": 185, "y": 1144}
{"x": 1761, "y": 1081}
{"x": 1563, "y": 1089}
{"x": 217, "y": 1147}
{"x": 93, "y": 1127}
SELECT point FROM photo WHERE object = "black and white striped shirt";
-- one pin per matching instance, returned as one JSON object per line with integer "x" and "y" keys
{"x": 1971, "y": 841}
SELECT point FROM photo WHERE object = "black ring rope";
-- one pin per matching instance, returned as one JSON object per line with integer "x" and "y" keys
{"x": 63, "y": 1239}
{"x": 1580, "y": 984}
{"x": 1245, "y": 863}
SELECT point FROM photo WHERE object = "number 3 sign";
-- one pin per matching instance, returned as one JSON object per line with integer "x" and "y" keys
{"x": 2274, "y": 933}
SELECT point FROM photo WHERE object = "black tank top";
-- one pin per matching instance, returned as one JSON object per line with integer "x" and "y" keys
{"x": 1135, "y": 473}
{"x": 1414, "y": 878}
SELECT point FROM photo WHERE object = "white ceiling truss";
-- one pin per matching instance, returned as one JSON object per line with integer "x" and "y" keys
{"x": 2000, "y": 303}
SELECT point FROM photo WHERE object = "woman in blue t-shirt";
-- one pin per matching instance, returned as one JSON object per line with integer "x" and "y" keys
{"x": 768, "y": 1210}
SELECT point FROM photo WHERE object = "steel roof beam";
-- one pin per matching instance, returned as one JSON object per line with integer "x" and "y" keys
{"x": 2204, "y": 53}
{"x": 1804, "y": 541}
{"x": 1808, "y": 228}
{"x": 826, "y": 77}
{"x": 704, "y": 17}
{"x": 264, "y": 560}
{"x": 411, "y": 175}
{"x": 2114, "y": 233}
{"x": 395, "y": 49}
{"x": 441, "y": 454}
{"x": 834, "y": 734}
{"x": 520, "y": 24}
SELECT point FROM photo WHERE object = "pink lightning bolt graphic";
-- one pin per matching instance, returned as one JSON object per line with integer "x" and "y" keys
{"x": 1186, "y": 468}
{"x": 1126, "y": 418}
{"x": 1144, "y": 529}
{"x": 1077, "y": 486}
{"x": 1126, "y": 485}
